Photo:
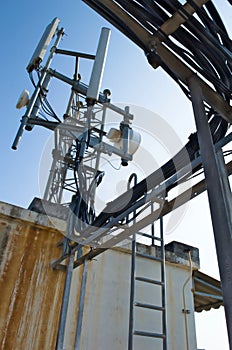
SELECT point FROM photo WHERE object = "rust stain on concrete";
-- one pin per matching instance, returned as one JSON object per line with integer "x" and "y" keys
{"x": 31, "y": 292}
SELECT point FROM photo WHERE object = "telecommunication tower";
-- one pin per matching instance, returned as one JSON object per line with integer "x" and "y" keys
{"x": 80, "y": 136}
{"x": 190, "y": 43}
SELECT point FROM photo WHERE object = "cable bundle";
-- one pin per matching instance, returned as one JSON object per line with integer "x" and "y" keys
{"x": 202, "y": 43}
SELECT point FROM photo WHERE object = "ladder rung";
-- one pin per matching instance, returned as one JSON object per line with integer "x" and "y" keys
{"x": 149, "y": 280}
{"x": 150, "y": 334}
{"x": 149, "y": 236}
{"x": 152, "y": 257}
{"x": 149, "y": 306}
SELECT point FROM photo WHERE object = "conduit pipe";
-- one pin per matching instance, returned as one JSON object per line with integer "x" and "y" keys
{"x": 185, "y": 310}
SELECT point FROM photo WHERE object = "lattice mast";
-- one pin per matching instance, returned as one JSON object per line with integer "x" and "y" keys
{"x": 80, "y": 137}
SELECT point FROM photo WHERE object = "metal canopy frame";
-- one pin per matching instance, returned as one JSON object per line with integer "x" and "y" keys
{"x": 219, "y": 196}
{"x": 207, "y": 292}
{"x": 127, "y": 231}
{"x": 153, "y": 44}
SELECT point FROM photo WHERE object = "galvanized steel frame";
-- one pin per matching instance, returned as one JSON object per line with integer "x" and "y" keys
{"x": 219, "y": 196}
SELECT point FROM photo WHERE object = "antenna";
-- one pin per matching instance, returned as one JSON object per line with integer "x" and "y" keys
{"x": 43, "y": 44}
{"x": 80, "y": 138}
{"x": 98, "y": 67}
{"x": 42, "y": 85}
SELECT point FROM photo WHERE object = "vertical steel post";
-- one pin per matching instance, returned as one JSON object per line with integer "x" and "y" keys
{"x": 217, "y": 200}
{"x": 164, "y": 318}
{"x": 132, "y": 294}
{"x": 48, "y": 188}
{"x": 225, "y": 183}
{"x": 81, "y": 306}
{"x": 132, "y": 280}
{"x": 52, "y": 173}
{"x": 75, "y": 79}
{"x": 65, "y": 302}
{"x": 152, "y": 228}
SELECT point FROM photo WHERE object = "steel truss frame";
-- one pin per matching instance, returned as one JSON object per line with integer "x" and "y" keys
{"x": 102, "y": 239}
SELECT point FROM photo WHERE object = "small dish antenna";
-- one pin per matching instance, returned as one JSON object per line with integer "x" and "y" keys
{"x": 23, "y": 99}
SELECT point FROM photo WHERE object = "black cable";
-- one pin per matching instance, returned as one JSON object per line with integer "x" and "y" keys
{"x": 45, "y": 105}
{"x": 206, "y": 47}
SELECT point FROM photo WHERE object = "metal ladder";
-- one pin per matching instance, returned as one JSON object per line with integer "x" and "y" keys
{"x": 160, "y": 283}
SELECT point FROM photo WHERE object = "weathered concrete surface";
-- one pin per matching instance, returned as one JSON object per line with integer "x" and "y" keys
{"x": 106, "y": 306}
{"x": 30, "y": 290}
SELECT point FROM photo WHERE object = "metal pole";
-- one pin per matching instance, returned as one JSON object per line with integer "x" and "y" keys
{"x": 75, "y": 78}
{"x": 65, "y": 302}
{"x": 216, "y": 195}
{"x": 125, "y": 136}
{"x": 152, "y": 227}
{"x": 57, "y": 147}
{"x": 225, "y": 183}
{"x": 132, "y": 294}
{"x": 81, "y": 305}
{"x": 52, "y": 173}
{"x": 163, "y": 279}
{"x": 132, "y": 280}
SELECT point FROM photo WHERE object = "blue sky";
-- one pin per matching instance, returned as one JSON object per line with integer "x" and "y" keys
{"x": 131, "y": 80}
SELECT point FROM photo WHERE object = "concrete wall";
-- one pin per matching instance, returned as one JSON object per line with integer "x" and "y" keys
{"x": 106, "y": 312}
{"x": 31, "y": 292}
